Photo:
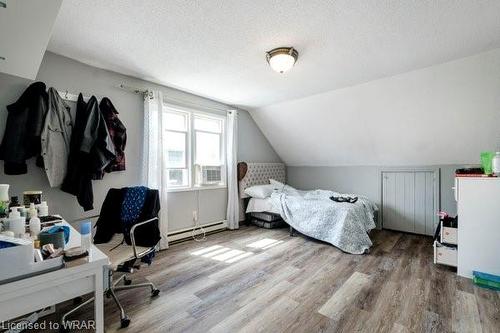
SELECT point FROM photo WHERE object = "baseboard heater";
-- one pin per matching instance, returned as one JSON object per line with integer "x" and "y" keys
{"x": 185, "y": 234}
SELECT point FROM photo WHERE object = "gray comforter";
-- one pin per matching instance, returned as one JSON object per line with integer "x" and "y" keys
{"x": 313, "y": 213}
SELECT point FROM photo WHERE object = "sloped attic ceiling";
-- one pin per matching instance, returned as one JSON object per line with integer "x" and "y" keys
{"x": 25, "y": 28}
{"x": 216, "y": 48}
{"x": 444, "y": 114}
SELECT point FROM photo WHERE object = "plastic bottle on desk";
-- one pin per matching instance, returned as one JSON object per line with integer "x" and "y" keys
{"x": 32, "y": 211}
{"x": 43, "y": 209}
{"x": 495, "y": 164}
{"x": 17, "y": 223}
{"x": 86, "y": 235}
{"x": 35, "y": 225}
{"x": 4, "y": 200}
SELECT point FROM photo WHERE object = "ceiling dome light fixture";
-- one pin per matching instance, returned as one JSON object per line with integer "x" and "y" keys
{"x": 281, "y": 59}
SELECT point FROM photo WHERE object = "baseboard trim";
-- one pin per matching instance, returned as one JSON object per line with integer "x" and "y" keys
{"x": 184, "y": 234}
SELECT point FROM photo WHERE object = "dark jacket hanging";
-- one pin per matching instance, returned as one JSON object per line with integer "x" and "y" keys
{"x": 103, "y": 150}
{"x": 77, "y": 180}
{"x": 118, "y": 134}
{"x": 91, "y": 151}
{"x": 21, "y": 139}
{"x": 110, "y": 222}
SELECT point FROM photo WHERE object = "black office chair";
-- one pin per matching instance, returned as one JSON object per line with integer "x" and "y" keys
{"x": 125, "y": 248}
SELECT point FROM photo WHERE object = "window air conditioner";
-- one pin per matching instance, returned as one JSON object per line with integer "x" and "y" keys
{"x": 210, "y": 175}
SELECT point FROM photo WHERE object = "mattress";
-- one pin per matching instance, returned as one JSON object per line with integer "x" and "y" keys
{"x": 261, "y": 205}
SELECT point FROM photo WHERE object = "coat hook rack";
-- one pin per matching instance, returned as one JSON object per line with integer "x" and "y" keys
{"x": 73, "y": 97}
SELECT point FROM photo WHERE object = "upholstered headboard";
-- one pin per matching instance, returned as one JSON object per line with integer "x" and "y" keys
{"x": 250, "y": 174}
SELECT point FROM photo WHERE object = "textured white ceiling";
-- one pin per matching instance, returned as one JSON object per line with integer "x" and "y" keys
{"x": 215, "y": 48}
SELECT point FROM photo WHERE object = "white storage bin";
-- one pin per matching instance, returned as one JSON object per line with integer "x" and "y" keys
{"x": 449, "y": 235}
{"x": 445, "y": 255}
{"x": 18, "y": 261}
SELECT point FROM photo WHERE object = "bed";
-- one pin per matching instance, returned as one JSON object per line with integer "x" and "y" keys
{"x": 312, "y": 213}
{"x": 254, "y": 174}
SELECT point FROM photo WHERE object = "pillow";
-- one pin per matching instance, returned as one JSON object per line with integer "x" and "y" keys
{"x": 260, "y": 191}
{"x": 279, "y": 185}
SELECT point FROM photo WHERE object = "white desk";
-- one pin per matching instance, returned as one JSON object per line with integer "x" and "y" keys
{"x": 34, "y": 293}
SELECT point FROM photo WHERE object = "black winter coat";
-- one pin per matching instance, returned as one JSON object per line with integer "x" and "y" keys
{"x": 109, "y": 221}
{"x": 91, "y": 150}
{"x": 21, "y": 139}
{"x": 103, "y": 149}
{"x": 77, "y": 180}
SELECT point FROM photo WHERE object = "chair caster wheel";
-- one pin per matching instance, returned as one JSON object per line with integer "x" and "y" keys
{"x": 155, "y": 292}
{"x": 127, "y": 282}
{"x": 124, "y": 322}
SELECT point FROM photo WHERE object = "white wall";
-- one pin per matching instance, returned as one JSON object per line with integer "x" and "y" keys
{"x": 252, "y": 144}
{"x": 365, "y": 180}
{"x": 444, "y": 114}
{"x": 66, "y": 74}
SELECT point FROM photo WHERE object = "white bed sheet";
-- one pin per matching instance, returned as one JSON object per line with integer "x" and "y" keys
{"x": 261, "y": 205}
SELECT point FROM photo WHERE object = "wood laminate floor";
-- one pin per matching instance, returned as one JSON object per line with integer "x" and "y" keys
{"x": 258, "y": 280}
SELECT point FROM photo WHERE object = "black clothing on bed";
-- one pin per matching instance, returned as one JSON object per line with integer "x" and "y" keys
{"x": 344, "y": 199}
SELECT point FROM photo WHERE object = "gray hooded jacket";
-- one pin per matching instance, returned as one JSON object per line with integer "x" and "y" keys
{"x": 56, "y": 136}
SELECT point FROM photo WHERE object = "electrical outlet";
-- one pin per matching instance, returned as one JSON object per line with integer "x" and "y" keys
{"x": 195, "y": 215}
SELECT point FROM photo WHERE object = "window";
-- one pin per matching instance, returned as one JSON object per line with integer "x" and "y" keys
{"x": 177, "y": 149}
{"x": 195, "y": 149}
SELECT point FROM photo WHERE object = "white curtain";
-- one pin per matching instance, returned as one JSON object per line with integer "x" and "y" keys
{"x": 154, "y": 159}
{"x": 233, "y": 208}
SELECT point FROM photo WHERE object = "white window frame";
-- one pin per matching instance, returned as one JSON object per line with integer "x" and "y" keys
{"x": 187, "y": 144}
{"x": 191, "y": 147}
{"x": 222, "y": 146}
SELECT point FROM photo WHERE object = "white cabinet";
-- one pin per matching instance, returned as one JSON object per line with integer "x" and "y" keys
{"x": 409, "y": 201}
{"x": 478, "y": 225}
